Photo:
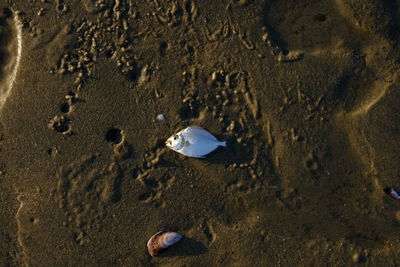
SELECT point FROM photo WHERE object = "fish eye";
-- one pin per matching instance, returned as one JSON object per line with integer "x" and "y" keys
{"x": 175, "y": 137}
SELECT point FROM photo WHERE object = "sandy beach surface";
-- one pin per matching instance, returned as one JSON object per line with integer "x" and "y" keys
{"x": 306, "y": 94}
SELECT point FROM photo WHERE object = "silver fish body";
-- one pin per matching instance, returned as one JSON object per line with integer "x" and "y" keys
{"x": 161, "y": 241}
{"x": 194, "y": 142}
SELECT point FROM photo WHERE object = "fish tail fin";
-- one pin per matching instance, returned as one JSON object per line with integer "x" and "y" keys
{"x": 222, "y": 143}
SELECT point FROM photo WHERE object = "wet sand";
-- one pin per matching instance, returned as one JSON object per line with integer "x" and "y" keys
{"x": 305, "y": 94}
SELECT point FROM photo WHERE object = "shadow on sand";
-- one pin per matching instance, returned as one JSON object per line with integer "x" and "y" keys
{"x": 186, "y": 247}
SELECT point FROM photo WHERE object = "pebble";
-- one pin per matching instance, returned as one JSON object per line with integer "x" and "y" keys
{"x": 161, "y": 117}
{"x": 265, "y": 37}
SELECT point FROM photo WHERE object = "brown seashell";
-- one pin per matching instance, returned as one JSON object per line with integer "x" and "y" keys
{"x": 162, "y": 240}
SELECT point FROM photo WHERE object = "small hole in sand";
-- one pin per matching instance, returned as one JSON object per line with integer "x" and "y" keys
{"x": 60, "y": 124}
{"x": 320, "y": 17}
{"x": 163, "y": 48}
{"x": 33, "y": 220}
{"x": 109, "y": 53}
{"x": 61, "y": 8}
{"x": 114, "y": 136}
{"x": 65, "y": 108}
{"x": 72, "y": 94}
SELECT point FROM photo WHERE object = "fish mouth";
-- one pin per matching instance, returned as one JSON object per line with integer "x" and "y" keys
{"x": 168, "y": 143}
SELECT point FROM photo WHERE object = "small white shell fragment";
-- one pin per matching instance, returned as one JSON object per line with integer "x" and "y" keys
{"x": 194, "y": 142}
{"x": 161, "y": 241}
{"x": 392, "y": 193}
{"x": 160, "y": 117}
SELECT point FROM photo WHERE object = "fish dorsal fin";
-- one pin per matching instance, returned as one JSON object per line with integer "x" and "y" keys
{"x": 198, "y": 131}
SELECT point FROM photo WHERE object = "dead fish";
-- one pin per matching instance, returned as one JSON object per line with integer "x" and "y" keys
{"x": 194, "y": 142}
{"x": 392, "y": 193}
{"x": 161, "y": 241}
